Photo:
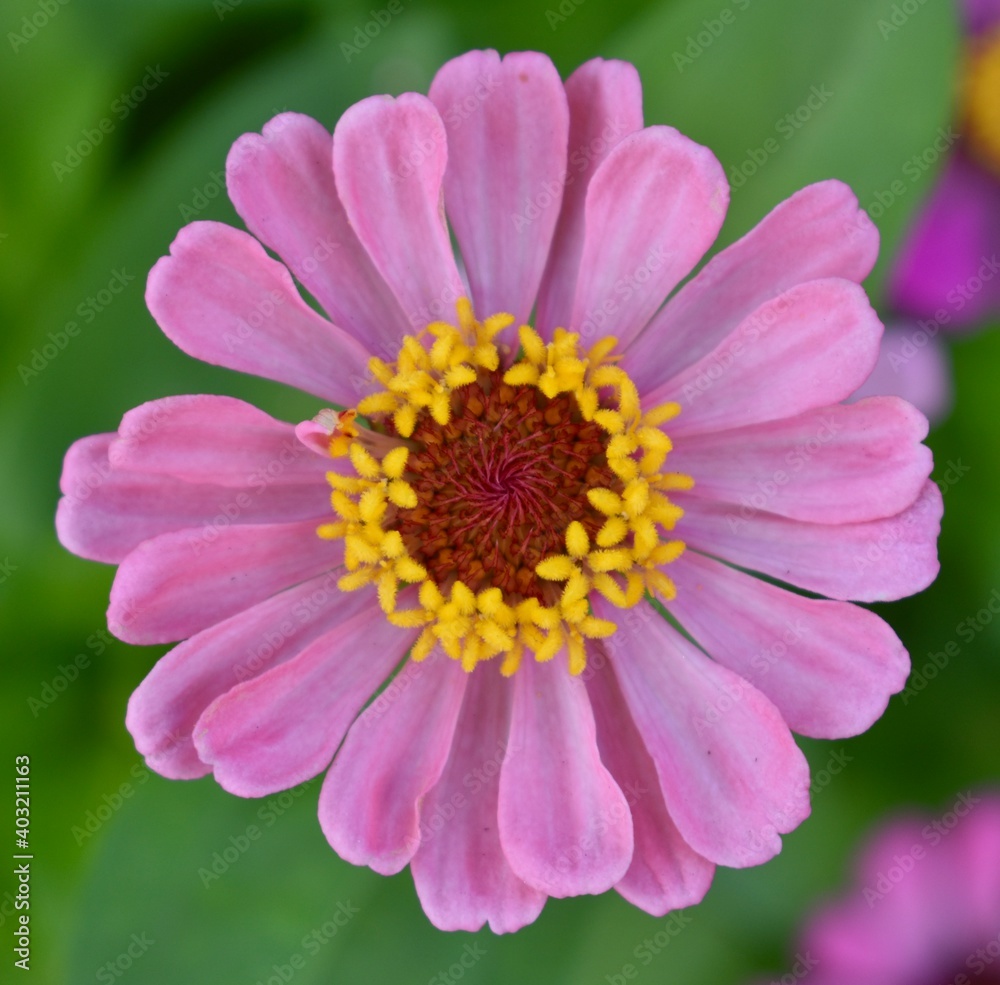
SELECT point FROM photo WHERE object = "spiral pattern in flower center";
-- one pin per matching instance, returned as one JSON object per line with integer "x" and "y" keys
{"x": 498, "y": 486}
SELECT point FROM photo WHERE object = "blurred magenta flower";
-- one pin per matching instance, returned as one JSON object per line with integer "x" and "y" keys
{"x": 502, "y": 509}
{"x": 925, "y": 908}
{"x": 948, "y": 268}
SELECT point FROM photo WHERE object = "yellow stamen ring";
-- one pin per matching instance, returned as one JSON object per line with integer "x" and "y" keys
{"x": 622, "y": 557}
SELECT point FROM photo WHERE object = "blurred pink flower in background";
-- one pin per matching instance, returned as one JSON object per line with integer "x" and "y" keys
{"x": 945, "y": 276}
{"x": 913, "y": 364}
{"x": 924, "y": 910}
{"x": 948, "y": 268}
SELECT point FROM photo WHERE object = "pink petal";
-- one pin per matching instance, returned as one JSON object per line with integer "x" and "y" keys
{"x": 283, "y": 727}
{"x": 838, "y": 464}
{"x": 106, "y": 512}
{"x": 876, "y": 561}
{"x": 819, "y": 232}
{"x": 282, "y": 185}
{"x": 315, "y": 437}
{"x": 461, "y": 874}
{"x": 810, "y": 347}
{"x": 180, "y": 583}
{"x": 89, "y": 519}
{"x": 222, "y": 299}
{"x": 605, "y": 104}
{"x": 393, "y": 754}
{"x": 507, "y": 125}
{"x": 947, "y": 268}
{"x": 565, "y": 825}
{"x": 389, "y": 158}
{"x": 731, "y": 786}
{"x": 217, "y": 440}
{"x": 654, "y": 206}
{"x": 829, "y": 667}
{"x": 164, "y": 708}
{"x": 912, "y": 364}
{"x": 666, "y": 873}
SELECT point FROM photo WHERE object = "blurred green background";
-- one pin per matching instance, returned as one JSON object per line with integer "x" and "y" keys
{"x": 214, "y": 70}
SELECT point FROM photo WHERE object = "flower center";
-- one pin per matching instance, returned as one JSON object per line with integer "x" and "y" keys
{"x": 508, "y": 495}
{"x": 498, "y": 486}
{"x": 980, "y": 106}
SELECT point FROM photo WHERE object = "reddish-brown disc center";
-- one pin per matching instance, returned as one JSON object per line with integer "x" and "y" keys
{"x": 499, "y": 484}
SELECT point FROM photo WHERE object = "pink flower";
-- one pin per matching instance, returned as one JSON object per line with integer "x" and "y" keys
{"x": 948, "y": 268}
{"x": 513, "y": 506}
{"x": 925, "y": 908}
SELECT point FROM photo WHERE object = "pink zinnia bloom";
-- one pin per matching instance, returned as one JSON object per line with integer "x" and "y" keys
{"x": 511, "y": 510}
{"x": 948, "y": 269}
{"x": 925, "y": 909}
